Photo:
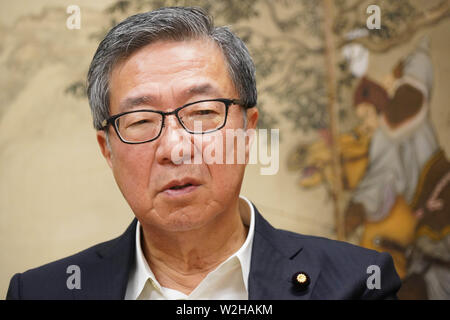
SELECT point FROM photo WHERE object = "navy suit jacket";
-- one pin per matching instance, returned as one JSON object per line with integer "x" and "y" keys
{"x": 337, "y": 270}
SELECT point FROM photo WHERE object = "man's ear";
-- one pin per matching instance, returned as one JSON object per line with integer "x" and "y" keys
{"x": 252, "y": 117}
{"x": 104, "y": 147}
{"x": 252, "y": 121}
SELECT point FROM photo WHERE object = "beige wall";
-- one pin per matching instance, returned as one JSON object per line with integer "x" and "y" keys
{"x": 57, "y": 195}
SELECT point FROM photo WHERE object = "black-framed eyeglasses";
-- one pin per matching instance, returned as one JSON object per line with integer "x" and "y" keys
{"x": 199, "y": 117}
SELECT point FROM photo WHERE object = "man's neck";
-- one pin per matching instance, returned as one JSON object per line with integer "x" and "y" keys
{"x": 181, "y": 260}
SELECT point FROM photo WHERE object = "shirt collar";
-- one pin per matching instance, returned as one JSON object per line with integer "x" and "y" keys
{"x": 142, "y": 272}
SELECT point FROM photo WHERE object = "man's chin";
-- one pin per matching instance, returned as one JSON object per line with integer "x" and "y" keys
{"x": 184, "y": 224}
{"x": 179, "y": 217}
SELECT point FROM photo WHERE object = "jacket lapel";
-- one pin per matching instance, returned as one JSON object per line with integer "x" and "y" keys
{"x": 276, "y": 257}
{"x": 107, "y": 277}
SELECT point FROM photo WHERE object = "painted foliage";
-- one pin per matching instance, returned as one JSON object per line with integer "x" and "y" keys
{"x": 391, "y": 165}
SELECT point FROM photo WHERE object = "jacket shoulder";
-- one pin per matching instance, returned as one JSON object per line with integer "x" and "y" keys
{"x": 49, "y": 281}
{"x": 348, "y": 271}
{"x": 325, "y": 247}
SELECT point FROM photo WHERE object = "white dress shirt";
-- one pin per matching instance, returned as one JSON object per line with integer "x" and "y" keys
{"x": 229, "y": 281}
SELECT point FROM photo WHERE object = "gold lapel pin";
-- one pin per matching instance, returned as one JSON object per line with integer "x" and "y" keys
{"x": 301, "y": 280}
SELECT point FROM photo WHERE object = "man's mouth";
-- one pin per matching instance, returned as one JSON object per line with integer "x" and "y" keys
{"x": 179, "y": 188}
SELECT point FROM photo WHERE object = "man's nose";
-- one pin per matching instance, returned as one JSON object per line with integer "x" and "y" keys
{"x": 175, "y": 143}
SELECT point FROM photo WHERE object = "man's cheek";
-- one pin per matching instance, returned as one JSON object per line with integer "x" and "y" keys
{"x": 223, "y": 147}
{"x": 132, "y": 172}
{"x": 135, "y": 160}
{"x": 225, "y": 176}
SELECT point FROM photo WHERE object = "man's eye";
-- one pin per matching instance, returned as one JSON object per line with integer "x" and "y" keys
{"x": 203, "y": 112}
{"x": 137, "y": 123}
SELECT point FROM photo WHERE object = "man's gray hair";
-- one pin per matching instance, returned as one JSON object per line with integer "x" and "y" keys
{"x": 176, "y": 24}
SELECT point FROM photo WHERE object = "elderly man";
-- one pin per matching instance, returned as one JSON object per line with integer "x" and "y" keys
{"x": 158, "y": 81}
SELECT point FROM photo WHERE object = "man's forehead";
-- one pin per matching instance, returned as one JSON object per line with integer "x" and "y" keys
{"x": 165, "y": 53}
{"x": 194, "y": 67}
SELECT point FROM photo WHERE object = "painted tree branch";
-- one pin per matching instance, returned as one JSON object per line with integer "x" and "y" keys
{"x": 299, "y": 44}
{"x": 332, "y": 107}
{"x": 422, "y": 20}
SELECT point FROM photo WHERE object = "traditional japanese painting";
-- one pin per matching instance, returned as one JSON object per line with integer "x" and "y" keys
{"x": 357, "y": 88}
{"x": 400, "y": 194}
{"x": 393, "y": 190}
{"x": 392, "y": 166}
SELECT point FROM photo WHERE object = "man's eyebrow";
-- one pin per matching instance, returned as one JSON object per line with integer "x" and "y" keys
{"x": 200, "y": 89}
{"x": 205, "y": 88}
{"x": 131, "y": 102}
